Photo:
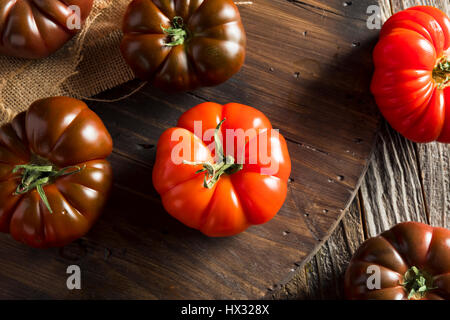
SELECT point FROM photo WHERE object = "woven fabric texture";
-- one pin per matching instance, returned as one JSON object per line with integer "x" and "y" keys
{"x": 88, "y": 64}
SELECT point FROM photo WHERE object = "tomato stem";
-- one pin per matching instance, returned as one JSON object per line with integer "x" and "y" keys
{"x": 441, "y": 73}
{"x": 417, "y": 283}
{"x": 177, "y": 32}
{"x": 38, "y": 173}
{"x": 225, "y": 165}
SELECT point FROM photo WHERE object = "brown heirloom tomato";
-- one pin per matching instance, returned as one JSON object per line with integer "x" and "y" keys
{"x": 183, "y": 44}
{"x": 37, "y": 28}
{"x": 413, "y": 260}
{"x": 54, "y": 179}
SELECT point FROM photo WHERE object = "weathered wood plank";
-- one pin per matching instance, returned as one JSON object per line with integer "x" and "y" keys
{"x": 386, "y": 9}
{"x": 322, "y": 277}
{"x": 391, "y": 190}
{"x": 435, "y": 168}
{"x": 398, "y": 5}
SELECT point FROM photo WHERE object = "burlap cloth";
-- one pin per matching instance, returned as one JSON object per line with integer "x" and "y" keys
{"x": 88, "y": 64}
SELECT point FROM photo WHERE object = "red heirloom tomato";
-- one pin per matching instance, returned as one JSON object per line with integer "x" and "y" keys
{"x": 183, "y": 44}
{"x": 37, "y": 28}
{"x": 412, "y": 261}
{"x": 54, "y": 179}
{"x": 412, "y": 74}
{"x": 222, "y": 169}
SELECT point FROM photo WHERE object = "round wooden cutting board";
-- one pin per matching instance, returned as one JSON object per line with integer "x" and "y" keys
{"x": 308, "y": 68}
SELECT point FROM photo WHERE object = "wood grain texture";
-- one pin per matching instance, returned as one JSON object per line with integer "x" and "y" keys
{"x": 391, "y": 190}
{"x": 435, "y": 171}
{"x": 312, "y": 82}
{"x": 322, "y": 277}
{"x": 398, "y": 5}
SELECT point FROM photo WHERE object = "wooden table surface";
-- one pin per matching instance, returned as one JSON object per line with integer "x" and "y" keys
{"x": 405, "y": 182}
{"x": 308, "y": 68}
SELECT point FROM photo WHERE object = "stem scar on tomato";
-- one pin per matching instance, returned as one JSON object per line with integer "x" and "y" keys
{"x": 417, "y": 283}
{"x": 177, "y": 33}
{"x": 441, "y": 73}
{"x": 225, "y": 165}
{"x": 38, "y": 173}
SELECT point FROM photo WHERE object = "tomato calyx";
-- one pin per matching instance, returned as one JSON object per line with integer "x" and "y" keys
{"x": 417, "y": 283}
{"x": 441, "y": 73}
{"x": 177, "y": 33}
{"x": 225, "y": 165}
{"x": 38, "y": 173}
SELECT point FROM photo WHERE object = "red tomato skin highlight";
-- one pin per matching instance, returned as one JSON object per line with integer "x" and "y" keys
{"x": 408, "y": 93}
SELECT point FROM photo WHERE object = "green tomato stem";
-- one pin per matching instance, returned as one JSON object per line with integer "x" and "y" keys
{"x": 38, "y": 173}
{"x": 176, "y": 33}
{"x": 417, "y": 283}
{"x": 213, "y": 171}
{"x": 441, "y": 73}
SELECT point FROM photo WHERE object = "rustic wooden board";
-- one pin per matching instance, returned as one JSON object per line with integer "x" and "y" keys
{"x": 322, "y": 277}
{"x": 405, "y": 181}
{"x": 308, "y": 68}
